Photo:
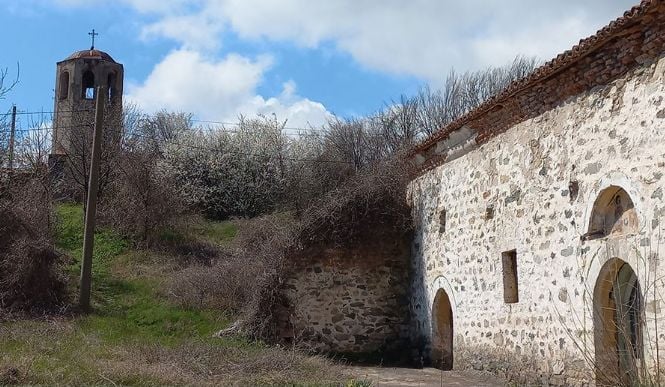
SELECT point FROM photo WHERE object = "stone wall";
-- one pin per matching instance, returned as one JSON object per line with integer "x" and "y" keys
{"x": 349, "y": 300}
{"x": 532, "y": 188}
{"x": 623, "y": 45}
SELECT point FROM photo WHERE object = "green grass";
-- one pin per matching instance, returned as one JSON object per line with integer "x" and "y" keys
{"x": 126, "y": 309}
{"x": 69, "y": 238}
{"x": 196, "y": 227}
{"x": 221, "y": 233}
{"x": 135, "y": 336}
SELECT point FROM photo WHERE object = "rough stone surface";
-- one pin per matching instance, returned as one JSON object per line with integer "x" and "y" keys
{"x": 349, "y": 300}
{"x": 609, "y": 136}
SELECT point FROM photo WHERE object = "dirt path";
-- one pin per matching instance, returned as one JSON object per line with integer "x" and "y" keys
{"x": 384, "y": 377}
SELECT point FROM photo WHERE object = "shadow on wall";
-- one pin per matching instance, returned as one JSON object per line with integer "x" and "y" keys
{"x": 442, "y": 332}
{"x": 420, "y": 319}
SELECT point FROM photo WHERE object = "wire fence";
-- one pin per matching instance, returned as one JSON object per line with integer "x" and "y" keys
{"x": 37, "y": 126}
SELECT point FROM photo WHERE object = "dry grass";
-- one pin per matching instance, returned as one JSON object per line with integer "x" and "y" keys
{"x": 137, "y": 336}
{"x": 60, "y": 352}
{"x": 31, "y": 275}
{"x": 373, "y": 199}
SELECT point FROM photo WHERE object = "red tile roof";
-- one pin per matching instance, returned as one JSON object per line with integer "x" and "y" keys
{"x": 555, "y": 66}
{"x": 91, "y": 54}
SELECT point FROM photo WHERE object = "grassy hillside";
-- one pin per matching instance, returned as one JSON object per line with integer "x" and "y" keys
{"x": 134, "y": 335}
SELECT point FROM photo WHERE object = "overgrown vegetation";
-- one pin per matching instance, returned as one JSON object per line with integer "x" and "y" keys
{"x": 30, "y": 269}
{"x": 164, "y": 279}
{"x": 135, "y": 334}
{"x": 335, "y": 186}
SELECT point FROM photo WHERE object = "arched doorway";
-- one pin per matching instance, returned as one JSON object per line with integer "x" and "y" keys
{"x": 618, "y": 321}
{"x": 442, "y": 331}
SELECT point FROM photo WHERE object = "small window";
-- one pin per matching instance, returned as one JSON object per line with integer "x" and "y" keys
{"x": 442, "y": 221}
{"x": 64, "y": 86}
{"x": 88, "y": 85}
{"x": 509, "y": 263}
{"x": 489, "y": 212}
{"x": 573, "y": 189}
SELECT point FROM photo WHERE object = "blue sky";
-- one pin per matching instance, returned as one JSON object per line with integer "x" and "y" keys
{"x": 300, "y": 59}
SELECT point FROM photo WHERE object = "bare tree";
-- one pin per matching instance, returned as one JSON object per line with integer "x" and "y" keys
{"x": 79, "y": 147}
{"x": 6, "y": 85}
{"x": 461, "y": 93}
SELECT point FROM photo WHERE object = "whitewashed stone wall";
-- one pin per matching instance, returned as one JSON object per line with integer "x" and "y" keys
{"x": 613, "y": 135}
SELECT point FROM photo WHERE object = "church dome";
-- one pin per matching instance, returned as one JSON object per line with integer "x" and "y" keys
{"x": 91, "y": 54}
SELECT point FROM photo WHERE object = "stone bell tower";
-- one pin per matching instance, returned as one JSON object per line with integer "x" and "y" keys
{"x": 77, "y": 79}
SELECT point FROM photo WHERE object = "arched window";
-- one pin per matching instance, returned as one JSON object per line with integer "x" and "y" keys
{"x": 613, "y": 214}
{"x": 111, "y": 87}
{"x": 63, "y": 92}
{"x": 88, "y": 82}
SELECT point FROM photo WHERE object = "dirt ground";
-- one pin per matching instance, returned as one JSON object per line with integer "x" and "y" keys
{"x": 386, "y": 376}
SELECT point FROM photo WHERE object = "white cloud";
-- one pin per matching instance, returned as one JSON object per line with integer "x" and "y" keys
{"x": 195, "y": 31}
{"x": 424, "y": 38}
{"x": 421, "y": 38}
{"x": 185, "y": 80}
{"x": 300, "y": 112}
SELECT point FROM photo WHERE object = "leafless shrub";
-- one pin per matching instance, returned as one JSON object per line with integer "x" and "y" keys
{"x": 141, "y": 201}
{"x": 375, "y": 198}
{"x": 254, "y": 258}
{"x": 30, "y": 269}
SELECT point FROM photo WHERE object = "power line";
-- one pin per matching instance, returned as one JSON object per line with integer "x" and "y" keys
{"x": 200, "y": 147}
{"x": 219, "y": 122}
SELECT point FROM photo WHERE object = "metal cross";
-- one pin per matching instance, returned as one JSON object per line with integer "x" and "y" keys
{"x": 93, "y": 34}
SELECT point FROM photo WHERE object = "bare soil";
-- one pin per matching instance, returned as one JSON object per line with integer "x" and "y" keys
{"x": 387, "y": 376}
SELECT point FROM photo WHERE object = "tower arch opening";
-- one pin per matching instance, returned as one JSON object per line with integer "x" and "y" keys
{"x": 613, "y": 214}
{"x": 88, "y": 85}
{"x": 63, "y": 90}
{"x": 442, "y": 332}
{"x": 618, "y": 321}
{"x": 111, "y": 86}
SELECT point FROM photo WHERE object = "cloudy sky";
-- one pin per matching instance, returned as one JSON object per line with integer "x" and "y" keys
{"x": 299, "y": 59}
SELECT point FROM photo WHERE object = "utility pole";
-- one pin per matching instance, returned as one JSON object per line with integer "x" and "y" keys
{"x": 91, "y": 202}
{"x": 12, "y": 135}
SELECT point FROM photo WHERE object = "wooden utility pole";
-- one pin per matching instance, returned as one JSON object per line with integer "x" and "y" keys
{"x": 12, "y": 136}
{"x": 91, "y": 202}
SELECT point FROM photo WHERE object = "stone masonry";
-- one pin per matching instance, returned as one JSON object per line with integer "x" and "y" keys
{"x": 350, "y": 301}
{"x": 527, "y": 182}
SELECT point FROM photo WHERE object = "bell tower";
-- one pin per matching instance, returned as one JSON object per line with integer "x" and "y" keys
{"x": 77, "y": 79}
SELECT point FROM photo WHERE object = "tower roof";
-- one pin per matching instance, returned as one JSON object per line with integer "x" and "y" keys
{"x": 91, "y": 54}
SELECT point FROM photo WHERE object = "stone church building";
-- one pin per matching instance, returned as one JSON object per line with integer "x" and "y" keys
{"x": 540, "y": 218}
{"x": 539, "y": 230}
{"x": 539, "y": 222}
